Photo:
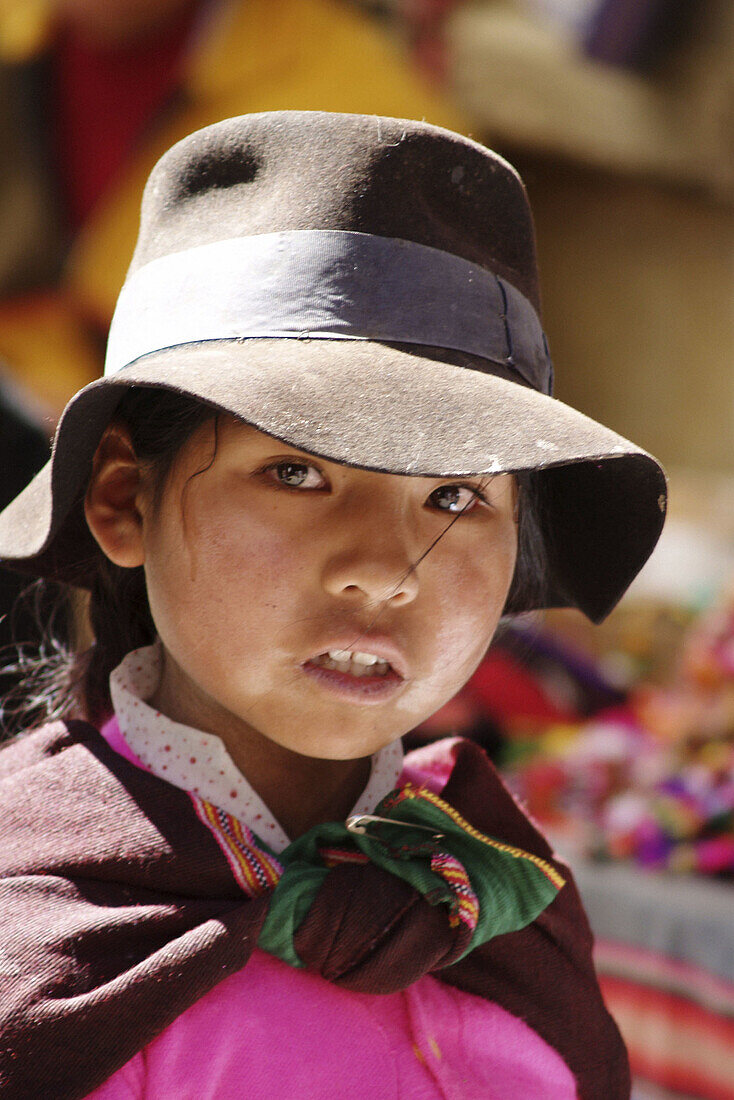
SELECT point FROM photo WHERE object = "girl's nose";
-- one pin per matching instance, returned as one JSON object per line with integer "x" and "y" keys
{"x": 375, "y": 566}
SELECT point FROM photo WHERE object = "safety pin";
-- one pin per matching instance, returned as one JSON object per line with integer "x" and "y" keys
{"x": 358, "y": 824}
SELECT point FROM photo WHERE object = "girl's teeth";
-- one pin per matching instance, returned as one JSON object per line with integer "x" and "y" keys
{"x": 365, "y": 658}
{"x": 340, "y": 654}
{"x": 354, "y": 656}
{"x": 356, "y": 663}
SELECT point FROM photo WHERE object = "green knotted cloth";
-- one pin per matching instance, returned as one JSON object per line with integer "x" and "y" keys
{"x": 491, "y": 886}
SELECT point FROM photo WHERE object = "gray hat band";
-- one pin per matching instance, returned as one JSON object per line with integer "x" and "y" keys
{"x": 327, "y": 285}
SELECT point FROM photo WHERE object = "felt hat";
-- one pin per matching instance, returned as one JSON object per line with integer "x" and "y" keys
{"x": 365, "y": 289}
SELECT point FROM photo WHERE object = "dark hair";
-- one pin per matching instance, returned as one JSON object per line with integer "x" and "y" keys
{"x": 529, "y": 587}
{"x": 69, "y": 680}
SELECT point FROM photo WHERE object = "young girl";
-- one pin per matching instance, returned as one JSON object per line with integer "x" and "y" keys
{"x": 322, "y": 464}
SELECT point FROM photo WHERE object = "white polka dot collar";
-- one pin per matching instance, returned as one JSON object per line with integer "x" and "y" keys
{"x": 198, "y": 762}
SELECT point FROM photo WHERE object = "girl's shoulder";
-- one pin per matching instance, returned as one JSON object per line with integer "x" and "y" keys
{"x": 461, "y": 773}
{"x": 431, "y": 765}
{"x": 33, "y": 747}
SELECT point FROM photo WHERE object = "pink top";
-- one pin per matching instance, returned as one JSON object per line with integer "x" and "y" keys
{"x": 272, "y": 1031}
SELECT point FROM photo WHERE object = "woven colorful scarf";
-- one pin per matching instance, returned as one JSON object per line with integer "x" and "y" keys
{"x": 123, "y": 901}
{"x": 488, "y": 887}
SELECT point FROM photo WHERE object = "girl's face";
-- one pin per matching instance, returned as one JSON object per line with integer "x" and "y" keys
{"x": 296, "y": 599}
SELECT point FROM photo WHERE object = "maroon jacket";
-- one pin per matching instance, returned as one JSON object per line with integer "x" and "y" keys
{"x": 118, "y": 911}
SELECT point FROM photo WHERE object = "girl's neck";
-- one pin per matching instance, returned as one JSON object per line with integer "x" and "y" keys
{"x": 300, "y": 791}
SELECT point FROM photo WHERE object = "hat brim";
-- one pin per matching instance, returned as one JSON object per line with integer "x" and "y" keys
{"x": 390, "y": 408}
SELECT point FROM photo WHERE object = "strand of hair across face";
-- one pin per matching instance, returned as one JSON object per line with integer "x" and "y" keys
{"x": 414, "y": 565}
{"x": 384, "y": 602}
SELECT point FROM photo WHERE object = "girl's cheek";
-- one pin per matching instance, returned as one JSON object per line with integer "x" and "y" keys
{"x": 241, "y": 553}
{"x": 469, "y": 601}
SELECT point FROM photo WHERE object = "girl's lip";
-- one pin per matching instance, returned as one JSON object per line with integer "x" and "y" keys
{"x": 357, "y": 689}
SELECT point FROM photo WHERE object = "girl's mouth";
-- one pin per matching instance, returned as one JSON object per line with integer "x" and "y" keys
{"x": 354, "y": 673}
{"x": 355, "y": 662}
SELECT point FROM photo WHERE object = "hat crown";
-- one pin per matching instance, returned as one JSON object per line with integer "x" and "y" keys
{"x": 300, "y": 170}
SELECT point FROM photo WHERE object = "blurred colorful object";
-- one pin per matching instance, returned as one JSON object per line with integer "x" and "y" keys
{"x": 626, "y": 753}
{"x": 651, "y": 780}
{"x": 425, "y": 21}
{"x": 637, "y": 33}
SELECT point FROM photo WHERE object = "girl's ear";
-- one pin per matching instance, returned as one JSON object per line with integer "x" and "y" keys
{"x": 111, "y": 505}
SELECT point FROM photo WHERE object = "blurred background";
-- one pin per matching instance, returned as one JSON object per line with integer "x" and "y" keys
{"x": 620, "y": 116}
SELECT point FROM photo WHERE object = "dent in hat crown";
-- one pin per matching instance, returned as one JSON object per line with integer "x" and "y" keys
{"x": 309, "y": 170}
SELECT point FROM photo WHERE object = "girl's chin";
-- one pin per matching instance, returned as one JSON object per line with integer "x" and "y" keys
{"x": 329, "y": 734}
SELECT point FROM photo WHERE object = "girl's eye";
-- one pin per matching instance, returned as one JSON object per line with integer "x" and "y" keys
{"x": 455, "y": 498}
{"x": 297, "y": 475}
